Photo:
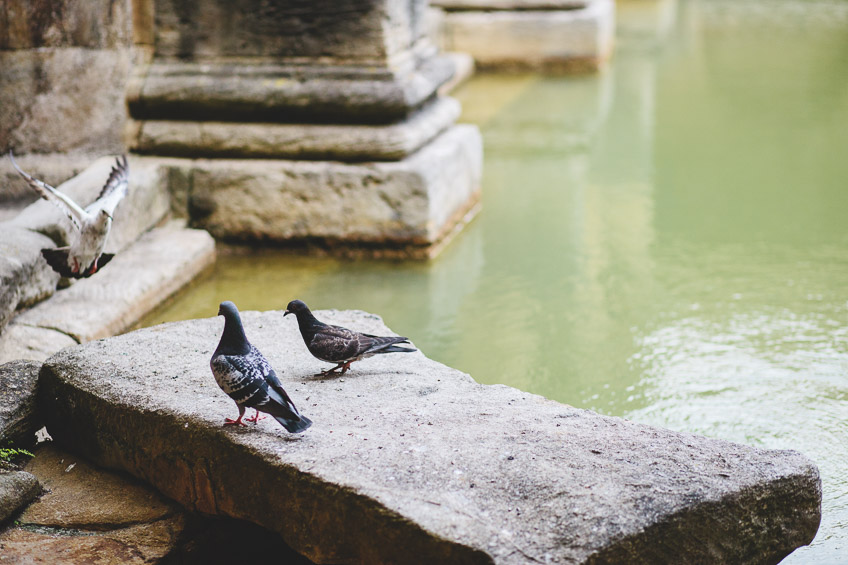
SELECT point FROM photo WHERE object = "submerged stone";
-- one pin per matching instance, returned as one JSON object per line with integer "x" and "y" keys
{"x": 411, "y": 461}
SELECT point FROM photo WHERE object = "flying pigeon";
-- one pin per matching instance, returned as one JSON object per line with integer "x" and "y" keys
{"x": 84, "y": 256}
{"x": 246, "y": 376}
{"x": 335, "y": 344}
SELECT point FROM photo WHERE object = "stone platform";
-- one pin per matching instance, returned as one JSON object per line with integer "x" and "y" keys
{"x": 410, "y": 461}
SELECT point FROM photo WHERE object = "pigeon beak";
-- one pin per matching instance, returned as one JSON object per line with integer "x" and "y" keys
{"x": 287, "y": 312}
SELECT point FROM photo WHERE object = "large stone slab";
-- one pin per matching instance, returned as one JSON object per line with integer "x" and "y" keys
{"x": 92, "y": 516}
{"x": 135, "y": 281}
{"x": 570, "y": 39}
{"x": 412, "y": 203}
{"x": 25, "y": 278}
{"x": 19, "y": 419}
{"x": 295, "y": 141}
{"x": 410, "y": 461}
{"x": 20, "y": 342}
{"x": 17, "y": 489}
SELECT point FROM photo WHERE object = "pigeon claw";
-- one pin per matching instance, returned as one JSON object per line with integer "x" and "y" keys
{"x": 256, "y": 418}
{"x": 231, "y": 422}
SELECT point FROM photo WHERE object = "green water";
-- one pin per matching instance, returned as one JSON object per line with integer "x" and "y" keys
{"x": 667, "y": 241}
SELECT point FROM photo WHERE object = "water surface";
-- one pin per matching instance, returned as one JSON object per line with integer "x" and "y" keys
{"x": 667, "y": 241}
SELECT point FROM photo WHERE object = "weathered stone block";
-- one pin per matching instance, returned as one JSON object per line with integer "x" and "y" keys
{"x": 363, "y": 32}
{"x": 18, "y": 416}
{"x": 27, "y": 342}
{"x": 296, "y": 141}
{"x": 63, "y": 99}
{"x": 136, "y": 281}
{"x": 65, "y": 23}
{"x": 552, "y": 40}
{"x": 25, "y": 278}
{"x": 17, "y": 489}
{"x": 410, "y": 461}
{"x": 412, "y": 202}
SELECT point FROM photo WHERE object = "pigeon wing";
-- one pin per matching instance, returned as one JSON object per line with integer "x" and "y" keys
{"x": 334, "y": 343}
{"x": 76, "y": 214}
{"x": 115, "y": 189}
{"x": 243, "y": 378}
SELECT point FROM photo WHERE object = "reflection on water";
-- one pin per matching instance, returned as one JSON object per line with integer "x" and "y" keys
{"x": 666, "y": 241}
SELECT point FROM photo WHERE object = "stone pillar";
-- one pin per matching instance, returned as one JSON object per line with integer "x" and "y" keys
{"x": 64, "y": 67}
{"x": 307, "y": 122}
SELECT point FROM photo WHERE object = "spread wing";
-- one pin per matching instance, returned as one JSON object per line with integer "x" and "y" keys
{"x": 76, "y": 214}
{"x": 115, "y": 189}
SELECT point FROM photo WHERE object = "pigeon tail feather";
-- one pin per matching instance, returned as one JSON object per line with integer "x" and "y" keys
{"x": 396, "y": 349}
{"x": 294, "y": 426}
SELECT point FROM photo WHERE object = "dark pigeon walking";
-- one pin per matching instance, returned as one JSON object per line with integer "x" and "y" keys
{"x": 246, "y": 376}
{"x": 84, "y": 256}
{"x": 335, "y": 344}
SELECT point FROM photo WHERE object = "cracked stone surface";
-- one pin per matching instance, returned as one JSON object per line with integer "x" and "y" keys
{"x": 411, "y": 461}
{"x": 19, "y": 419}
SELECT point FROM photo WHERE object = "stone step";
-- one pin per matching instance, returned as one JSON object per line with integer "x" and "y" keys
{"x": 137, "y": 280}
{"x": 410, "y": 461}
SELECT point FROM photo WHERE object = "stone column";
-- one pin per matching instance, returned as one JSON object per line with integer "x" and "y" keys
{"x": 64, "y": 67}
{"x": 307, "y": 122}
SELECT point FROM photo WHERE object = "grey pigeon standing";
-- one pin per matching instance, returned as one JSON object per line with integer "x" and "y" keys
{"x": 246, "y": 376}
{"x": 336, "y": 344}
{"x": 84, "y": 256}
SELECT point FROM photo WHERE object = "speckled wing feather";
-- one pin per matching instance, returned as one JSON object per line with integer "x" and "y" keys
{"x": 76, "y": 214}
{"x": 251, "y": 381}
{"x": 336, "y": 344}
{"x": 115, "y": 189}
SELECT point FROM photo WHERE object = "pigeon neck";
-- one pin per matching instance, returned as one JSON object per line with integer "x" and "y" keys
{"x": 307, "y": 323}
{"x": 233, "y": 341}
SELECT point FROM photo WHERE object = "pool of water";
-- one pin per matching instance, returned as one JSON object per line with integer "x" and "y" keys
{"x": 666, "y": 241}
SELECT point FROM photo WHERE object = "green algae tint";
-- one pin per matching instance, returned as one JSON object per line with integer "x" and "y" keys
{"x": 667, "y": 241}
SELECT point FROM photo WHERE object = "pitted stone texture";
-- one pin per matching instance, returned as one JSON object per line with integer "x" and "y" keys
{"x": 296, "y": 141}
{"x": 69, "y": 99}
{"x": 19, "y": 419}
{"x": 408, "y": 202}
{"x": 146, "y": 203}
{"x": 410, "y": 461}
{"x": 573, "y": 39}
{"x": 17, "y": 489}
{"x": 135, "y": 281}
{"x": 25, "y": 278}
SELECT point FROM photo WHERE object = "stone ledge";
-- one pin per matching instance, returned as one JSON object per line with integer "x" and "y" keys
{"x": 268, "y": 92}
{"x": 411, "y": 461}
{"x": 295, "y": 141}
{"x": 136, "y": 281}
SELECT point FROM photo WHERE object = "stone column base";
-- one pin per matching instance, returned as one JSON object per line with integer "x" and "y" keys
{"x": 405, "y": 208}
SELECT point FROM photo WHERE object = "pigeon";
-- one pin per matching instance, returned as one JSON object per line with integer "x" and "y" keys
{"x": 84, "y": 256}
{"x": 335, "y": 344}
{"x": 246, "y": 376}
